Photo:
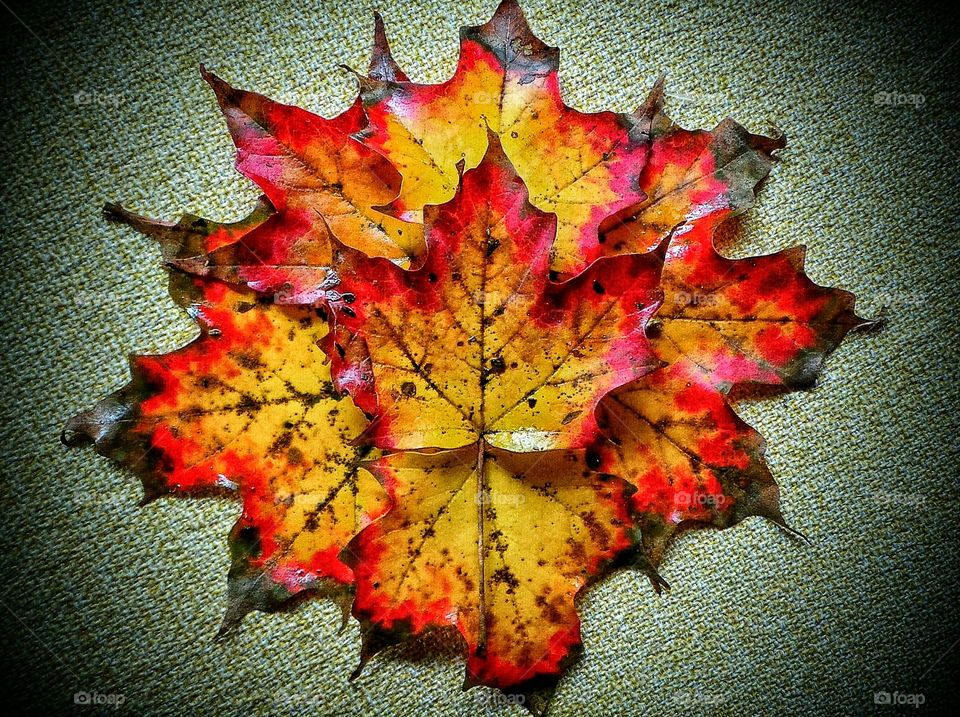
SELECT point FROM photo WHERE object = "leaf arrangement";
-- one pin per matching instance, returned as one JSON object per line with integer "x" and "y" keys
{"x": 470, "y": 351}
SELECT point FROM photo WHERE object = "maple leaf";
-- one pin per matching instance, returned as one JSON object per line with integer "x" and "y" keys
{"x": 582, "y": 167}
{"x": 723, "y": 323}
{"x": 477, "y": 352}
{"x": 318, "y": 183}
{"x": 689, "y": 175}
{"x": 248, "y": 408}
{"x": 477, "y": 343}
{"x": 471, "y": 350}
{"x": 495, "y": 543}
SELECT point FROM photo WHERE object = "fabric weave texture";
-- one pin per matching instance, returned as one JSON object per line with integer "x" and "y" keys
{"x": 104, "y": 102}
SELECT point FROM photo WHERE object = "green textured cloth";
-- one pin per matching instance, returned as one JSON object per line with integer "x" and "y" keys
{"x": 104, "y": 102}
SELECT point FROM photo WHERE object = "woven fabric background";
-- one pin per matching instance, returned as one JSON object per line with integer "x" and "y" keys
{"x": 103, "y": 101}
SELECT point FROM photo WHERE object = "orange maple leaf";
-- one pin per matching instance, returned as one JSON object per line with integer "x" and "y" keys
{"x": 471, "y": 350}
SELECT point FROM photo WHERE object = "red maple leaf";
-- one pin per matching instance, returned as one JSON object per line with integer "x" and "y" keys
{"x": 472, "y": 349}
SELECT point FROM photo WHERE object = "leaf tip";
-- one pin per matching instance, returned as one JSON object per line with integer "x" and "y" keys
{"x": 507, "y": 30}
{"x": 382, "y": 65}
{"x": 229, "y": 624}
{"x": 776, "y": 517}
{"x": 152, "y": 491}
{"x": 113, "y": 212}
{"x": 646, "y": 564}
{"x": 76, "y": 431}
{"x": 220, "y": 88}
{"x": 653, "y": 105}
{"x": 768, "y": 145}
{"x": 871, "y": 326}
